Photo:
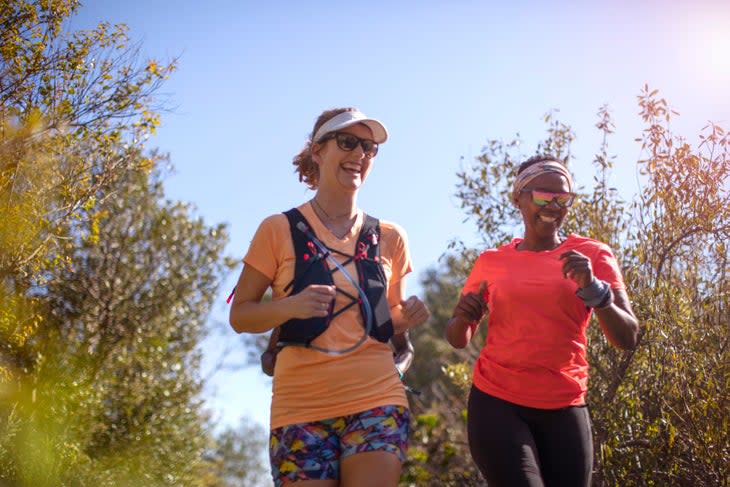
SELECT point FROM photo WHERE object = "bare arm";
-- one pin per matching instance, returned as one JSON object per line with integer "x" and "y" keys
{"x": 249, "y": 314}
{"x": 618, "y": 321}
{"x": 458, "y": 332}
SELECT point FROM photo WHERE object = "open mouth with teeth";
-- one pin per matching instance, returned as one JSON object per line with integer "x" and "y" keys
{"x": 355, "y": 170}
{"x": 548, "y": 218}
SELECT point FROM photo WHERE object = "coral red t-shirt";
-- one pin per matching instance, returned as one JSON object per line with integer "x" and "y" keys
{"x": 535, "y": 352}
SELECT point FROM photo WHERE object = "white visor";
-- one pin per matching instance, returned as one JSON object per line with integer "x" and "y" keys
{"x": 345, "y": 119}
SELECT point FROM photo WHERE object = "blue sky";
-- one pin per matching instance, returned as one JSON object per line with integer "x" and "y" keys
{"x": 444, "y": 77}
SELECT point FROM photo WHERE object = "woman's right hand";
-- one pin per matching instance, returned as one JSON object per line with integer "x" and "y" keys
{"x": 469, "y": 310}
{"x": 472, "y": 306}
{"x": 250, "y": 314}
{"x": 313, "y": 301}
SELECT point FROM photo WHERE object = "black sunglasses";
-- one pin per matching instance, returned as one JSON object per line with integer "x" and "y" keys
{"x": 348, "y": 142}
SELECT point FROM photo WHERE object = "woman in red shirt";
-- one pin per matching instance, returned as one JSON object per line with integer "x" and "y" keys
{"x": 527, "y": 419}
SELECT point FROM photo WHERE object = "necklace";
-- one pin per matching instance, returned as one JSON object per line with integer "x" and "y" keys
{"x": 327, "y": 215}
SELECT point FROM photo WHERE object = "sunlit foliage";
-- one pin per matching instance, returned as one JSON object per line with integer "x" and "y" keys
{"x": 104, "y": 284}
{"x": 660, "y": 413}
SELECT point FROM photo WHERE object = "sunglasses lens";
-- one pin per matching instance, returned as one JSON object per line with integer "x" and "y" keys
{"x": 543, "y": 198}
{"x": 369, "y": 147}
{"x": 347, "y": 142}
{"x": 564, "y": 199}
{"x": 540, "y": 198}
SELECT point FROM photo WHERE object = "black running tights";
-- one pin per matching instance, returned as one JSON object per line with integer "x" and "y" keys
{"x": 517, "y": 446}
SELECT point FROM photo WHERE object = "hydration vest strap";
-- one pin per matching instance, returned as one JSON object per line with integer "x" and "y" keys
{"x": 312, "y": 259}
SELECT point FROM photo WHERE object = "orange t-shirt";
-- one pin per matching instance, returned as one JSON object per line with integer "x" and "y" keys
{"x": 310, "y": 385}
{"x": 535, "y": 353}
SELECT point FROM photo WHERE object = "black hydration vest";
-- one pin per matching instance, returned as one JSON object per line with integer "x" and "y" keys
{"x": 311, "y": 268}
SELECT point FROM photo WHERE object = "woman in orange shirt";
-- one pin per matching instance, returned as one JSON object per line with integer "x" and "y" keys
{"x": 528, "y": 424}
{"x": 339, "y": 413}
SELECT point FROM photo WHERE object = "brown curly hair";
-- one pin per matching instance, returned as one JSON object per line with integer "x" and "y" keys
{"x": 306, "y": 167}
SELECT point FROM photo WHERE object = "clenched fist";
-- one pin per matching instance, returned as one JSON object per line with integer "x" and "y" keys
{"x": 315, "y": 300}
{"x": 472, "y": 306}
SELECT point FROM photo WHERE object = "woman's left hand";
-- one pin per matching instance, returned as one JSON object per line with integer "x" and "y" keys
{"x": 414, "y": 311}
{"x": 577, "y": 267}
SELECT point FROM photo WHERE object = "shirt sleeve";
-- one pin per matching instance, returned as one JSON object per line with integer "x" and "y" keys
{"x": 264, "y": 252}
{"x": 400, "y": 255}
{"x": 476, "y": 276}
{"x": 606, "y": 268}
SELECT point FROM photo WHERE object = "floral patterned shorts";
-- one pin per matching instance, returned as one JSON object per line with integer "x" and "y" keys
{"x": 312, "y": 451}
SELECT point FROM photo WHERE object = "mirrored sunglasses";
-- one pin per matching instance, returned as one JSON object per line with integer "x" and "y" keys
{"x": 544, "y": 198}
{"x": 348, "y": 142}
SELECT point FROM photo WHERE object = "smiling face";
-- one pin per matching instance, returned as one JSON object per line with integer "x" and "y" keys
{"x": 340, "y": 169}
{"x": 543, "y": 222}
